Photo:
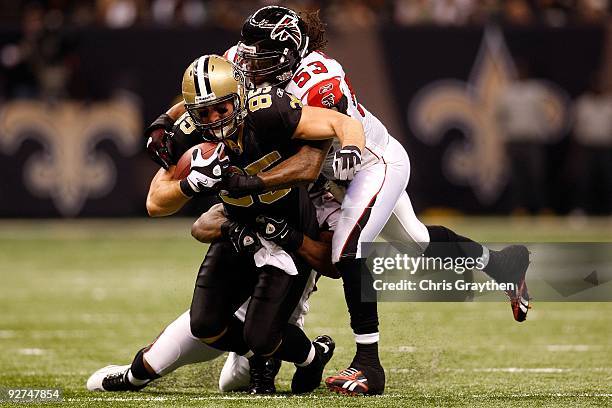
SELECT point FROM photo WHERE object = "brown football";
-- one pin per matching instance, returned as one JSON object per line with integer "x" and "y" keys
{"x": 184, "y": 164}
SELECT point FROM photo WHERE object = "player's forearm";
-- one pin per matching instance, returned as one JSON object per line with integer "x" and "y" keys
{"x": 207, "y": 227}
{"x": 165, "y": 196}
{"x": 301, "y": 168}
{"x": 318, "y": 124}
{"x": 350, "y": 133}
{"x": 318, "y": 256}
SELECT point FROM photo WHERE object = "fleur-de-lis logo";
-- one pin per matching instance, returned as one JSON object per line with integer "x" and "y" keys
{"x": 69, "y": 170}
{"x": 478, "y": 160}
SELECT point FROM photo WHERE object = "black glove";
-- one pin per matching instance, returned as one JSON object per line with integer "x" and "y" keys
{"x": 159, "y": 147}
{"x": 244, "y": 240}
{"x": 347, "y": 162}
{"x": 277, "y": 230}
{"x": 159, "y": 144}
{"x": 238, "y": 185}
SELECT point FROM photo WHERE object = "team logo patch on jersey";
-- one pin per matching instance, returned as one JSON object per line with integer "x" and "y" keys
{"x": 328, "y": 100}
{"x": 270, "y": 229}
{"x": 326, "y": 88}
{"x": 287, "y": 29}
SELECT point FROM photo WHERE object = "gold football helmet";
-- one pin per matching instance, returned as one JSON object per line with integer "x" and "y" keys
{"x": 214, "y": 96}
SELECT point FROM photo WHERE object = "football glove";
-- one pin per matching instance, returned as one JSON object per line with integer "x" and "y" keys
{"x": 347, "y": 162}
{"x": 159, "y": 147}
{"x": 159, "y": 142}
{"x": 242, "y": 237}
{"x": 277, "y": 230}
{"x": 205, "y": 174}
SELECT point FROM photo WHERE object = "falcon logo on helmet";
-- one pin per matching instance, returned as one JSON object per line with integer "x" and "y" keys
{"x": 273, "y": 41}
{"x": 287, "y": 29}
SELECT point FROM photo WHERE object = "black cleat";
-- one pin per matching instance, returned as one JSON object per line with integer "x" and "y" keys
{"x": 511, "y": 265}
{"x": 307, "y": 379}
{"x": 112, "y": 378}
{"x": 263, "y": 371}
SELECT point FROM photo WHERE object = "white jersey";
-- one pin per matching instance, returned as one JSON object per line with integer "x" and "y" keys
{"x": 321, "y": 81}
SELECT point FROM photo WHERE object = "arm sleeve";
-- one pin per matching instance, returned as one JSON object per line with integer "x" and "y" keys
{"x": 275, "y": 114}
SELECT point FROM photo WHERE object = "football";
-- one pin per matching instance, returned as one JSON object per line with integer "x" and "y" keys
{"x": 184, "y": 164}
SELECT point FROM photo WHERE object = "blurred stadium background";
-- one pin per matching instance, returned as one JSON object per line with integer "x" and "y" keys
{"x": 505, "y": 108}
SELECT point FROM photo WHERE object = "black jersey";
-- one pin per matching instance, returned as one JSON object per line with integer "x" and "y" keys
{"x": 264, "y": 141}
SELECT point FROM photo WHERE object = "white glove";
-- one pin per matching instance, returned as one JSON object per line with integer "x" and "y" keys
{"x": 347, "y": 162}
{"x": 206, "y": 173}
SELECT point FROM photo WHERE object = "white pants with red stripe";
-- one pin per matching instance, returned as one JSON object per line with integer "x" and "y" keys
{"x": 177, "y": 347}
{"x": 376, "y": 203}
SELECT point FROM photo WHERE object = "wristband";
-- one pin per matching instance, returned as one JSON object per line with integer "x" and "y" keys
{"x": 237, "y": 183}
{"x": 254, "y": 184}
{"x": 186, "y": 188}
{"x": 163, "y": 121}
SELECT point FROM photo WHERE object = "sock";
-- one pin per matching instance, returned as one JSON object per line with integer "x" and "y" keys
{"x": 295, "y": 347}
{"x": 364, "y": 315}
{"x": 233, "y": 339}
{"x": 311, "y": 356}
{"x": 366, "y": 356}
{"x": 493, "y": 270}
{"x": 138, "y": 373}
{"x": 447, "y": 243}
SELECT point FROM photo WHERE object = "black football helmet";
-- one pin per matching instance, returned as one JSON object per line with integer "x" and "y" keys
{"x": 273, "y": 41}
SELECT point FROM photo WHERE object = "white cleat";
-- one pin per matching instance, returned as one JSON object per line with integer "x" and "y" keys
{"x": 111, "y": 378}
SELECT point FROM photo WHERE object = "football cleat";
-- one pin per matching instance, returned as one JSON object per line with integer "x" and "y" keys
{"x": 112, "y": 378}
{"x": 350, "y": 381}
{"x": 263, "y": 371}
{"x": 512, "y": 263}
{"x": 307, "y": 379}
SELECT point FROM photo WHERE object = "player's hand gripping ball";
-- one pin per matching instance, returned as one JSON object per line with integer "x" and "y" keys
{"x": 202, "y": 167}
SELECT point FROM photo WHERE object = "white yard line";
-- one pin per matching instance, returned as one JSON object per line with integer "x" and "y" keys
{"x": 572, "y": 347}
{"x": 530, "y": 370}
{"x": 324, "y": 397}
{"x": 31, "y": 351}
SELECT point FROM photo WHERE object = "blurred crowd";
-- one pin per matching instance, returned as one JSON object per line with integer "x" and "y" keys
{"x": 42, "y": 63}
{"x": 339, "y": 13}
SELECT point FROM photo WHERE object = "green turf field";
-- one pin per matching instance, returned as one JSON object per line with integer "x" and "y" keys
{"x": 75, "y": 296}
